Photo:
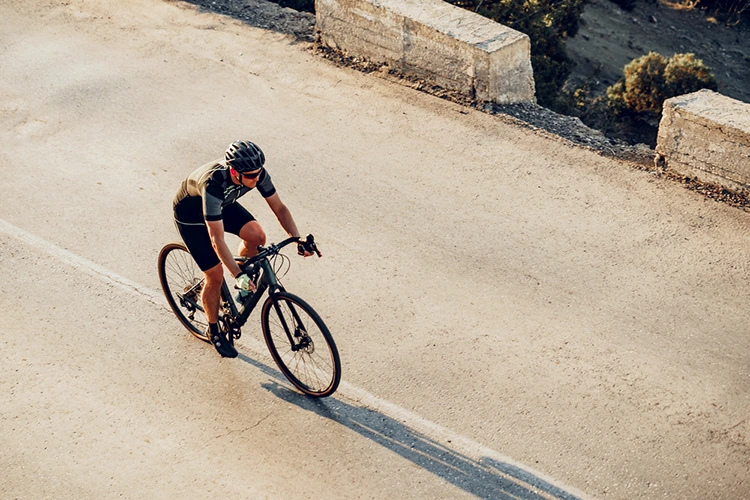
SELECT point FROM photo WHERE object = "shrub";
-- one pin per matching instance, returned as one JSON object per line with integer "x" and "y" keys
{"x": 648, "y": 80}
{"x": 641, "y": 89}
{"x": 731, "y": 11}
{"x": 685, "y": 73}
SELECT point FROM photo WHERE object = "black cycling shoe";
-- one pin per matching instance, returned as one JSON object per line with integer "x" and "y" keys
{"x": 223, "y": 347}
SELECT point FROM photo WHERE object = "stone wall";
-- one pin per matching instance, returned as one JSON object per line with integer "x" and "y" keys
{"x": 437, "y": 41}
{"x": 707, "y": 135}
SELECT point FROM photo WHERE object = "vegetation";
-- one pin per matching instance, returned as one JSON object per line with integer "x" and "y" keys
{"x": 648, "y": 80}
{"x": 632, "y": 107}
{"x": 548, "y": 23}
{"x": 729, "y": 11}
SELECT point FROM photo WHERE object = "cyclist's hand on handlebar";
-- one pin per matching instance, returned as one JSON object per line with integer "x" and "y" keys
{"x": 243, "y": 282}
{"x": 307, "y": 247}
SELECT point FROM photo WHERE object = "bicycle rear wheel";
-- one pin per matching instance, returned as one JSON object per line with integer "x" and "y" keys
{"x": 301, "y": 344}
{"x": 182, "y": 282}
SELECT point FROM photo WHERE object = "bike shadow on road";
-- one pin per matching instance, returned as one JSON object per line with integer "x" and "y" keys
{"x": 484, "y": 478}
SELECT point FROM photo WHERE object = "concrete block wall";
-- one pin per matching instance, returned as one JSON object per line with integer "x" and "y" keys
{"x": 443, "y": 44}
{"x": 707, "y": 135}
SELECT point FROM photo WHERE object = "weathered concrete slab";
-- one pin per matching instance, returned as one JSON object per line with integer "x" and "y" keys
{"x": 444, "y": 44}
{"x": 707, "y": 135}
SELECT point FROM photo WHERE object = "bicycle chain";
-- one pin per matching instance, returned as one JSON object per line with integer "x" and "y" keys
{"x": 229, "y": 326}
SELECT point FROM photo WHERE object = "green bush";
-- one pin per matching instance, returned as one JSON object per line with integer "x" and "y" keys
{"x": 685, "y": 73}
{"x": 547, "y": 23}
{"x": 641, "y": 89}
{"x": 648, "y": 80}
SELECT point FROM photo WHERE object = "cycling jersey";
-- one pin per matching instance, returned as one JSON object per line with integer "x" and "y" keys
{"x": 209, "y": 189}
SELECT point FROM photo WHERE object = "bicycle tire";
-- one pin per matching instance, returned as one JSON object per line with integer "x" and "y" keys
{"x": 316, "y": 376}
{"x": 178, "y": 273}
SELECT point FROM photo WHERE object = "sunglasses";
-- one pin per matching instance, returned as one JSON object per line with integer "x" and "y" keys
{"x": 250, "y": 175}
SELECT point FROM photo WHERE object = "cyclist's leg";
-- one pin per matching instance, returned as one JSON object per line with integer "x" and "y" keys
{"x": 198, "y": 242}
{"x": 252, "y": 236}
{"x": 212, "y": 292}
{"x": 237, "y": 220}
{"x": 195, "y": 235}
{"x": 211, "y": 296}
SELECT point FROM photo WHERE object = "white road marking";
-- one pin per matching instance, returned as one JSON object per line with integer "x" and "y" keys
{"x": 82, "y": 264}
{"x": 446, "y": 437}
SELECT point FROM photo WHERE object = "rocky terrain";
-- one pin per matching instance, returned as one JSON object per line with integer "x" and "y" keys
{"x": 609, "y": 38}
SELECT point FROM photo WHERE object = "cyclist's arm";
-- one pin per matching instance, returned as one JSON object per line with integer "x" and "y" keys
{"x": 216, "y": 233}
{"x": 283, "y": 214}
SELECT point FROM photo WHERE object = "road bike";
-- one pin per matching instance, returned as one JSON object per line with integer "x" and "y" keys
{"x": 296, "y": 336}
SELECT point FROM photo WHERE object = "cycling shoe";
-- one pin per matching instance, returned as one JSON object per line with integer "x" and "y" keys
{"x": 222, "y": 345}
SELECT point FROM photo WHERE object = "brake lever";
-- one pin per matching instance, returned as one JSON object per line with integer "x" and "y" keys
{"x": 310, "y": 240}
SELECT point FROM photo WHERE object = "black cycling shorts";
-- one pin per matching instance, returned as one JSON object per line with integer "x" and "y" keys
{"x": 195, "y": 233}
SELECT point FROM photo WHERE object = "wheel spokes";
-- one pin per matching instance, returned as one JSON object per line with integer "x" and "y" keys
{"x": 313, "y": 368}
{"x": 184, "y": 279}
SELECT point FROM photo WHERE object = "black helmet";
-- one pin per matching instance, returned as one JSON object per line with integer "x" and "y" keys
{"x": 244, "y": 156}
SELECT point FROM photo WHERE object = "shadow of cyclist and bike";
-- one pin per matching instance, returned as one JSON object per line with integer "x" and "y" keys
{"x": 484, "y": 478}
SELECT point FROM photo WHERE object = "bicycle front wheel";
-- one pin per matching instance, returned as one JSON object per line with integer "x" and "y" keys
{"x": 182, "y": 282}
{"x": 301, "y": 344}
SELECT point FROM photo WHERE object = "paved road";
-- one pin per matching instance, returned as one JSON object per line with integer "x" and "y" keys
{"x": 517, "y": 317}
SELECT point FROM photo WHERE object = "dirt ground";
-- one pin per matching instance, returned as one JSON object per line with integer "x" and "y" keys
{"x": 609, "y": 38}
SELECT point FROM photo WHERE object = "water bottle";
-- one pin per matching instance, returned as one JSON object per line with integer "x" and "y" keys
{"x": 242, "y": 296}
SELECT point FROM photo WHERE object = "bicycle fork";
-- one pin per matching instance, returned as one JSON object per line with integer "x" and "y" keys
{"x": 298, "y": 338}
{"x": 274, "y": 286}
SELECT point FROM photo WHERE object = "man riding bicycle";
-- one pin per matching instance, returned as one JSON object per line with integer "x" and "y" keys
{"x": 206, "y": 206}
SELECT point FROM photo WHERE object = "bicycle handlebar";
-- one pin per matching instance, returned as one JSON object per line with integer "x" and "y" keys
{"x": 273, "y": 249}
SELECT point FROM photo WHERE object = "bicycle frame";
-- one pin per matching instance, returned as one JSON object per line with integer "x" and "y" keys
{"x": 310, "y": 360}
{"x": 267, "y": 281}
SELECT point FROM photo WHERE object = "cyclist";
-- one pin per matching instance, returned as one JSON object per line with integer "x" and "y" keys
{"x": 206, "y": 206}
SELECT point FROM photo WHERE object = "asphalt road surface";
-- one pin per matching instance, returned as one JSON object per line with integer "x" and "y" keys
{"x": 517, "y": 317}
